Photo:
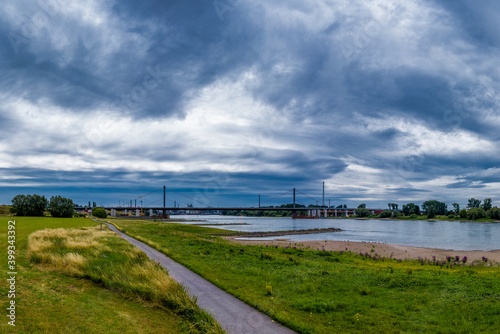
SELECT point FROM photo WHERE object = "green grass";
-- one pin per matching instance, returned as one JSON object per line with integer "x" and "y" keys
{"x": 322, "y": 292}
{"x": 102, "y": 296}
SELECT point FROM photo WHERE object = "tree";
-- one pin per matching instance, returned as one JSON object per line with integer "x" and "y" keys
{"x": 396, "y": 214}
{"x": 29, "y": 205}
{"x": 61, "y": 207}
{"x": 99, "y": 212}
{"x": 456, "y": 208}
{"x": 494, "y": 213}
{"x": 362, "y": 212}
{"x": 386, "y": 214}
{"x": 362, "y": 206}
{"x": 462, "y": 213}
{"x": 392, "y": 206}
{"x": 476, "y": 213}
{"x": 473, "y": 203}
{"x": 440, "y": 207}
{"x": 431, "y": 212}
{"x": 410, "y": 209}
{"x": 19, "y": 205}
{"x": 486, "y": 204}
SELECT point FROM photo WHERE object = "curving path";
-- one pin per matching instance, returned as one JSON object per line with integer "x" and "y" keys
{"x": 232, "y": 314}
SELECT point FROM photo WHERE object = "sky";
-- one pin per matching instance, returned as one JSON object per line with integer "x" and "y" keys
{"x": 220, "y": 101}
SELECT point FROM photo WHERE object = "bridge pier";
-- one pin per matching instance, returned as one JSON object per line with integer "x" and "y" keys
{"x": 346, "y": 213}
{"x": 113, "y": 212}
{"x": 150, "y": 212}
{"x": 137, "y": 213}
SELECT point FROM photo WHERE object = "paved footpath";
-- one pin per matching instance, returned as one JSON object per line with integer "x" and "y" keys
{"x": 231, "y": 313}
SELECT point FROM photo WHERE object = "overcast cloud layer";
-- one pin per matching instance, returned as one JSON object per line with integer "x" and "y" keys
{"x": 385, "y": 101}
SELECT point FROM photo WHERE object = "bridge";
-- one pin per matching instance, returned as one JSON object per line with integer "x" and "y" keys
{"x": 319, "y": 211}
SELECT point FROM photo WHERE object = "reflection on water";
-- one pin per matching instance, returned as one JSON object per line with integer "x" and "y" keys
{"x": 439, "y": 234}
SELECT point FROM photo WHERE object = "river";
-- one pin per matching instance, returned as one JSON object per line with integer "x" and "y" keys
{"x": 451, "y": 235}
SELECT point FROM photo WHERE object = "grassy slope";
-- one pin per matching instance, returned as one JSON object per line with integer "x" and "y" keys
{"x": 321, "y": 292}
{"x": 49, "y": 302}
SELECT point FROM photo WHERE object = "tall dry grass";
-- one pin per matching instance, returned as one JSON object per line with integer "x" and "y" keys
{"x": 104, "y": 258}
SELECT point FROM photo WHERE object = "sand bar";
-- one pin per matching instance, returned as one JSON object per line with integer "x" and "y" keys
{"x": 382, "y": 249}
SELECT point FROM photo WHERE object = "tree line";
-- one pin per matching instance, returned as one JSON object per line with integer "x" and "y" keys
{"x": 475, "y": 209}
{"x": 36, "y": 205}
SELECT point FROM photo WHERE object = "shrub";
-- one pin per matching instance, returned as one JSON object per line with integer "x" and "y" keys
{"x": 476, "y": 213}
{"x": 494, "y": 213}
{"x": 61, "y": 207}
{"x": 413, "y": 216}
{"x": 386, "y": 214}
{"x": 463, "y": 213}
{"x": 451, "y": 216}
{"x": 396, "y": 214}
{"x": 362, "y": 212}
{"x": 99, "y": 212}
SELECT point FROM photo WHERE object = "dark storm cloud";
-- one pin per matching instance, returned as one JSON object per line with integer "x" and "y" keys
{"x": 164, "y": 52}
{"x": 478, "y": 21}
{"x": 464, "y": 184}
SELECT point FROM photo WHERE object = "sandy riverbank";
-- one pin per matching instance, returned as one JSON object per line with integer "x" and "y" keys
{"x": 397, "y": 251}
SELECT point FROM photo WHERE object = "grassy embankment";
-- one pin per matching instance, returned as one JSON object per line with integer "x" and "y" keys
{"x": 83, "y": 280}
{"x": 321, "y": 292}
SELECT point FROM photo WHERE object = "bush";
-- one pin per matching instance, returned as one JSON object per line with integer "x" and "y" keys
{"x": 99, "y": 212}
{"x": 463, "y": 213}
{"x": 451, "y": 216}
{"x": 396, "y": 214}
{"x": 413, "y": 216}
{"x": 386, "y": 214}
{"x": 28, "y": 205}
{"x": 476, "y": 213}
{"x": 494, "y": 213}
{"x": 362, "y": 212}
{"x": 61, "y": 207}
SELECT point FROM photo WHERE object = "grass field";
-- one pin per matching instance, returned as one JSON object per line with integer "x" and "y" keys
{"x": 321, "y": 292}
{"x": 91, "y": 281}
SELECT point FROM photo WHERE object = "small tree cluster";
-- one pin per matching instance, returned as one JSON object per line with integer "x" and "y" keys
{"x": 35, "y": 205}
{"x": 411, "y": 209}
{"x": 28, "y": 205}
{"x": 439, "y": 207}
{"x": 61, "y": 207}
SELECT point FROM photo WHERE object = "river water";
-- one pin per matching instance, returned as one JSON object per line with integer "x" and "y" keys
{"x": 439, "y": 234}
